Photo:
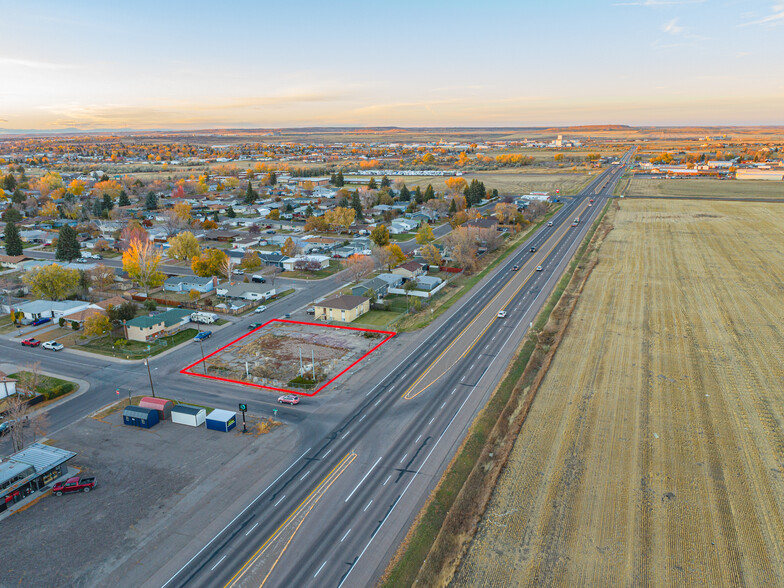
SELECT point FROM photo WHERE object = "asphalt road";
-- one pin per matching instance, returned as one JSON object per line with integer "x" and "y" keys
{"x": 336, "y": 513}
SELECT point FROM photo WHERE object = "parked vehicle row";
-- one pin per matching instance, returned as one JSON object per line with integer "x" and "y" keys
{"x": 51, "y": 345}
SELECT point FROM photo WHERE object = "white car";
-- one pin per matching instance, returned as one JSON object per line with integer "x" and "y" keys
{"x": 261, "y": 308}
{"x": 539, "y": 268}
{"x": 501, "y": 314}
{"x": 53, "y": 345}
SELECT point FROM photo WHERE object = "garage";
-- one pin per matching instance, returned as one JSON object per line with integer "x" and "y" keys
{"x": 221, "y": 420}
{"x": 188, "y": 415}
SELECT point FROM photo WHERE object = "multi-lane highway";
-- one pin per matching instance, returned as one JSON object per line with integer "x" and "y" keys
{"x": 334, "y": 515}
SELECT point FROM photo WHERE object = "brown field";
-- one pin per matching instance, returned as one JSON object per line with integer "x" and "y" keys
{"x": 703, "y": 188}
{"x": 510, "y": 182}
{"x": 653, "y": 454}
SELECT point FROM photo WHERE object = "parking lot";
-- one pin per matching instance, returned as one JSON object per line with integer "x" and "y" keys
{"x": 157, "y": 488}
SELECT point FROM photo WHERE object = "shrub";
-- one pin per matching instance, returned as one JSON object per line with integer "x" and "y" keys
{"x": 150, "y": 304}
{"x": 61, "y": 322}
{"x": 74, "y": 325}
{"x": 59, "y": 390}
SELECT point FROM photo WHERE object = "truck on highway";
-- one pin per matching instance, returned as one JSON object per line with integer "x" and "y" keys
{"x": 75, "y": 484}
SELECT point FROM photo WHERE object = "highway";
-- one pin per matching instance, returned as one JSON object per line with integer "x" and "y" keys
{"x": 335, "y": 514}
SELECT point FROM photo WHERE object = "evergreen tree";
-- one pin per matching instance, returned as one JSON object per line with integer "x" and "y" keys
{"x": 356, "y": 204}
{"x": 343, "y": 202}
{"x": 18, "y": 197}
{"x": 12, "y": 215}
{"x": 9, "y": 183}
{"x": 495, "y": 193}
{"x": 309, "y": 211}
{"x": 453, "y": 207}
{"x": 273, "y": 178}
{"x": 429, "y": 193}
{"x": 13, "y": 242}
{"x": 339, "y": 180}
{"x": 151, "y": 202}
{"x": 333, "y": 179}
{"x": 405, "y": 194}
{"x": 418, "y": 195}
{"x": 67, "y": 244}
{"x": 97, "y": 208}
{"x": 124, "y": 200}
{"x": 107, "y": 202}
{"x": 372, "y": 184}
{"x": 215, "y": 217}
{"x": 385, "y": 183}
{"x": 230, "y": 212}
{"x": 250, "y": 194}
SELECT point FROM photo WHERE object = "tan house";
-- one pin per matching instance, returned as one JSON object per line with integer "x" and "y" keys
{"x": 409, "y": 270}
{"x": 13, "y": 261}
{"x": 147, "y": 328}
{"x": 343, "y": 309}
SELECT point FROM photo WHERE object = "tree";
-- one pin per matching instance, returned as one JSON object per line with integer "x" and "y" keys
{"x": 453, "y": 206}
{"x": 339, "y": 217}
{"x": 67, "y": 244}
{"x": 505, "y": 212}
{"x": 124, "y": 200}
{"x": 380, "y": 235}
{"x": 49, "y": 209}
{"x": 356, "y": 204}
{"x": 396, "y": 254}
{"x": 316, "y": 223}
{"x": 339, "y": 180}
{"x": 429, "y": 193}
{"x": 431, "y": 255}
{"x": 151, "y": 201}
{"x": 230, "y": 212}
{"x": 274, "y": 214}
{"x": 52, "y": 282}
{"x": 272, "y": 178}
{"x": 455, "y": 185}
{"x": 133, "y": 231}
{"x": 359, "y": 266}
{"x": 97, "y": 324}
{"x": 254, "y": 229}
{"x": 289, "y": 248}
{"x": 107, "y": 203}
{"x": 385, "y": 183}
{"x": 141, "y": 261}
{"x": 18, "y": 412}
{"x": 463, "y": 244}
{"x": 9, "y": 183}
{"x": 124, "y": 312}
{"x": 418, "y": 198}
{"x": 13, "y": 242}
{"x": 250, "y": 194}
{"x": 208, "y": 263}
{"x": 405, "y": 194}
{"x": 102, "y": 277}
{"x": 425, "y": 234}
{"x": 12, "y": 215}
{"x": 251, "y": 260}
{"x": 184, "y": 246}
{"x": 372, "y": 184}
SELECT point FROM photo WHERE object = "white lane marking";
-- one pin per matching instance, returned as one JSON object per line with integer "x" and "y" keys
{"x": 217, "y": 564}
{"x": 327, "y": 453}
{"x": 304, "y": 476}
{"x": 453, "y": 391}
{"x": 346, "y": 535}
{"x": 368, "y": 505}
{"x": 346, "y": 435}
{"x": 443, "y": 405}
{"x": 363, "y": 418}
{"x": 387, "y": 480}
{"x": 463, "y": 378}
{"x": 362, "y": 480}
{"x": 472, "y": 367}
{"x": 378, "y": 402}
{"x": 319, "y": 570}
{"x": 251, "y": 529}
{"x": 402, "y": 458}
{"x": 231, "y": 522}
{"x": 431, "y": 421}
{"x": 418, "y": 438}
{"x": 493, "y": 339}
{"x": 279, "y": 501}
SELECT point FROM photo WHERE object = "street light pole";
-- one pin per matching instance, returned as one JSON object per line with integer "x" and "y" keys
{"x": 149, "y": 373}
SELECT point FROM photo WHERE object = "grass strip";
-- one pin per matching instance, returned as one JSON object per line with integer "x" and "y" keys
{"x": 410, "y": 564}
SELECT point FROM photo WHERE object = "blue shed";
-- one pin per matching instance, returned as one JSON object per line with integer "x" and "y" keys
{"x": 221, "y": 420}
{"x": 138, "y": 416}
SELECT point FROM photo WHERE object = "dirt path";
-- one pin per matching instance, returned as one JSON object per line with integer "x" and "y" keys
{"x": 654, "y": 452}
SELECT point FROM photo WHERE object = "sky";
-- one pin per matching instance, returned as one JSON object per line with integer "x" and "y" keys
{"x": 257, "y": 64}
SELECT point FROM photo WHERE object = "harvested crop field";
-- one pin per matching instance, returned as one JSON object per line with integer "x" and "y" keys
{"x": 703, "y": 188}
{"x": 653, "y": 454}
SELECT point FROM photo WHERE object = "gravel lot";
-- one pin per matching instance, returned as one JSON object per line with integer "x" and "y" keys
{"x": 146, "y": 480}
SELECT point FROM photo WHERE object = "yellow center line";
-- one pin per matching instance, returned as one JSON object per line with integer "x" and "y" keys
{"x": 478, "y": 315}
{"x": 326, "y": 483}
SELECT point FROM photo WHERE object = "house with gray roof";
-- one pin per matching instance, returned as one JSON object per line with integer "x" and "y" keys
{"x": 188, "y": 283}
{"x": 379, "y": 286}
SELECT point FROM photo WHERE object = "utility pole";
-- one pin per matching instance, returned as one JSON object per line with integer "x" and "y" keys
{"x": 149, "y": 373}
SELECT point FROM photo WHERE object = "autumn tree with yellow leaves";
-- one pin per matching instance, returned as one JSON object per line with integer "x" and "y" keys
{"x": 141, "y": 262}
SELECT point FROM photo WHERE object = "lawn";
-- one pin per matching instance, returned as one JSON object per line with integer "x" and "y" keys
{"x": 48, "y": 386}
{"x": 334, "y": 267}
{"x": 376, "y": 319}
{"x": 401, "y": 237}
{"x": 137, "y": 349}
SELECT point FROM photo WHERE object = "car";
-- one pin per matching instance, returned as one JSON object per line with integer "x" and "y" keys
{"x": 287, "y": 315}
{"x": 550, "y": 224}
{"x": 40, "y": 321}
{"x": 258, "y": 279}
{"x": 539, "y": 268}
{"x": 533, "y": 249}
{"x": 97, "y": 256}
{"x": 591, "y": 200}
{"x": 501, "y": 314}
{"x": 311, "y": 310}
{"x": 75, "y": 484}
{"x": 291, "y": 399}
{"x": 203, "y": 335}
{"x": 53, "y": 345}
{"x": 589, "y": 205}
{"x": 81, "y": 260}
{"x": 254, "y": 326}
{"x": 238, "y": 272}
{"x": 260, "y": 308}
{"x": 31, "y": 342}
{"x": 515, "y": 268}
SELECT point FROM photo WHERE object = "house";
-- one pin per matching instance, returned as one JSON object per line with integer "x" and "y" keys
{"x": 147, "y": 328}
{"x": 427, "y": 283}
{"x": 12, "y": 261}
{"x": 36, "y": 236}
{"x": 245, "y": 290}
{"x": 222, "y": 235}
{"x": 343, "y": 309}
{"x": 406, "y": 224}
{"x": 392, "y": 280}
{"x": 379, "y": 286}
{"x": 409, "y": 270}
{"x": 31, "y": 470}
{"x": 188, "y": 283}
{"x": 424, "y": 216}
{"x": 53, "y": 309}
{"x": 7, "y": 386}
{"x": 482, "y": 223}
{"x": 271, "y": 258}
{"x": 322, "y": 260}
{"x": 82, "y": 315}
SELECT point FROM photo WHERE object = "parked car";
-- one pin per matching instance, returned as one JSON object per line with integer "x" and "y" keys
{"x": 501, "y": 314}
{"x": 254, "y": 326}
{"x": 539, "y": 268}
{"x": 53, "y": 345}
{"x": 311, "y": 310}
{"x": 81, "y": 260}
{"x": 40, "y": 321}
{"x": 291, "y": 399}
{"x": 260, "y": 308}
{"x": 203, "y": 335}
{"x": 238, "y": 272}
{"x": 75, "y": 484}
{"x": 31, "y": 342}
{"x": 258, "y": 279}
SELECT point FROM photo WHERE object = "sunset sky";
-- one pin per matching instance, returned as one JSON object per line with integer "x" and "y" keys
{"x": 138, "y": 65}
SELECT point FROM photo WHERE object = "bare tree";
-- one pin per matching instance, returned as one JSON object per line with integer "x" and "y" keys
{"x": 359, "y": 266}
{"x": 18, "y": 413}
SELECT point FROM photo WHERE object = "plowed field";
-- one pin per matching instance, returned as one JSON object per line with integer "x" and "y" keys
{"x": 653, "y": 454}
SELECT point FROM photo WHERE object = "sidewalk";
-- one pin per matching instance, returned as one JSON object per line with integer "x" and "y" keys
{"x": 84, "y": 385}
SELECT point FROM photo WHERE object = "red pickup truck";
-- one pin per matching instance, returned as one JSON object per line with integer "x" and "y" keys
{"x": 76, "y": 484}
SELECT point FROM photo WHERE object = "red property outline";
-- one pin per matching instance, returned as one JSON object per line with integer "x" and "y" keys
{"x": 187, "y": 371}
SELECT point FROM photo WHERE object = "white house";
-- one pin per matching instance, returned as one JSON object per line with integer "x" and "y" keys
{"x": 53, "y": 309}
{"x": 245, "y": 290}
{"x": 290, "y": 263}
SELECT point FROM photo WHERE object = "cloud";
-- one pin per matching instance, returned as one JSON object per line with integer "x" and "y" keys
{"x": 32, "y": 64}
{"x": 672, "y": 27}
{"x": 776, "y": 17}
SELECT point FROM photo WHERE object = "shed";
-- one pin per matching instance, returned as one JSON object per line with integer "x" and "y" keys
{"x": 163, "y": 406}
{"x": 139, "y": 416}
{"x": 221, "y": 420}
{"x": 188, "y": 415}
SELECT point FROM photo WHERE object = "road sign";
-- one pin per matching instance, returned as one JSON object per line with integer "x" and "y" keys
{"x": 243, "y": 407}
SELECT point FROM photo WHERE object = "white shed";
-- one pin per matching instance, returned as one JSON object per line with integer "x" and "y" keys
{"x": 192, "y": 416}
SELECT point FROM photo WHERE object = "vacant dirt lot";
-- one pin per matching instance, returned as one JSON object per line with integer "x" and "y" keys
{"x": 704, "y": 188}
{"x": 653, "y": 454}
